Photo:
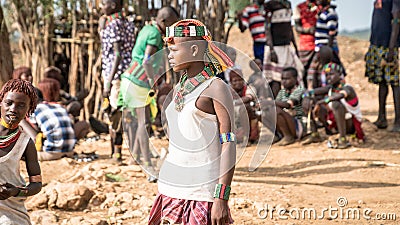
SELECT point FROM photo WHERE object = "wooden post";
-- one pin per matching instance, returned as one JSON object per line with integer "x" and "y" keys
{"x": 73, "y": 73}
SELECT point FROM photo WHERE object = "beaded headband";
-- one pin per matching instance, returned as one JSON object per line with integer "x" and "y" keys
{"x": 332, "y": 67}
{"x": 185, "y": 28}
{"x": 187, "y": 31}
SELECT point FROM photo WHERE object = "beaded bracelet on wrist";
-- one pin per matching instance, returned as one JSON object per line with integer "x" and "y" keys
{"x": 222, "y": 191}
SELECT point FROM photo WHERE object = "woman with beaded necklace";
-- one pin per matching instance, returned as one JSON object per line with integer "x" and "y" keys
{"x": 18, "y": 99}
{"x": 195, "y": 178}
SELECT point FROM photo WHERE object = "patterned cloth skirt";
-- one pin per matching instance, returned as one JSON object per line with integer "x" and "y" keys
{"x": 167, "y": 210}
{"x": 377, "y": 70}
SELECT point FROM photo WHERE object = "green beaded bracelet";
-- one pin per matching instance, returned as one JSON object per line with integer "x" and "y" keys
{"x": 222, "y": 191}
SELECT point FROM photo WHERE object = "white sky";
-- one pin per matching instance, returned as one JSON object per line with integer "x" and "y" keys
{"x": 353, "y": 14}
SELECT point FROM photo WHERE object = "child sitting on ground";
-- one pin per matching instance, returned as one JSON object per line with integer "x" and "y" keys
{"x": 52, "y": 120}
{"x": 244, "y": 102}
{"x": 344, "y": 113}
{"x": 289, "y": 111}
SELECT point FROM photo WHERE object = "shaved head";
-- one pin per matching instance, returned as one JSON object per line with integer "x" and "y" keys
{"x": 168, "y": 11}
{"x": 166, "y": 16}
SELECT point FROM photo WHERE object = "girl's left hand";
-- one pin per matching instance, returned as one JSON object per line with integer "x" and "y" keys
{"x": 8, "y": 190}
{"x": 220, "y": 212}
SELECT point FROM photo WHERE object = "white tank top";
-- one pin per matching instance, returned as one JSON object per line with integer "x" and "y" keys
{"x": 191, "y": 168}
{"x": 12, "y": 210}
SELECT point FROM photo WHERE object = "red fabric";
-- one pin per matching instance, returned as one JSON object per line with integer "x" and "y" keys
{"x": 357, "y": 125}
{"x": 353, "y": 102}
{"x": 308, "y": 19}
{"x": 181, "y": 211}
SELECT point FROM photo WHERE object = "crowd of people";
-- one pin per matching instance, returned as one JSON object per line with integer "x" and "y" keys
{"x": 306, "y": 79}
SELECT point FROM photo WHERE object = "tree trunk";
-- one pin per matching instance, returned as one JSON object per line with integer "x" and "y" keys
{"x": 6, "y": 63}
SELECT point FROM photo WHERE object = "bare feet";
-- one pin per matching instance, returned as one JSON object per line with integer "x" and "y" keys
{"x": 381, "y": 124}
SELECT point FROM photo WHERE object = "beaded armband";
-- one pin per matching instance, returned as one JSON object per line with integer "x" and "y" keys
{"x": 227, "y": 137}
{"x": 222, "y": 191}
{"x": 327, "y": 100}
{"x": 396, "y": 20}
{"x": 23, "y": 191}
{"x": 309, "y": 93}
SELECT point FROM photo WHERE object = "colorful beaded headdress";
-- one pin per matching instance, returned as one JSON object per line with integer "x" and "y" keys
{"x": 194, "y": 28}
{"x": 332, "y": 67}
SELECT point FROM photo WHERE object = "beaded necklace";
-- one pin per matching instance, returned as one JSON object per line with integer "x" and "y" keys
{"x": 7, "y": 140}
{"x": 191, "y": 84}
{"x": 114, "y": 16}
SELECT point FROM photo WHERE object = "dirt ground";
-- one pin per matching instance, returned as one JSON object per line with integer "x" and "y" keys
{"x": 296, "y": 179}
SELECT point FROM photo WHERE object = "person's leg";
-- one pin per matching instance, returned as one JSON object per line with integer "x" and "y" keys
{"x": 258, "y": 50}
{"x": 311, "y": 125}
{"x": 112, "y": 140}
{"x": 339, "y": 111}
{"x": 142, "y": 137}
{"x": 285, "y": 124}
{"x": 48, "y": 156}
{"x": 350, "y": 127}
{"x": 381, "y": 122}
{"x": 396, "y": 99}
{"x": 142, "y": 140}
{"x": 323, "y": 118}
{"x": 116, "y": 125}
{"x": 130, "y": 127}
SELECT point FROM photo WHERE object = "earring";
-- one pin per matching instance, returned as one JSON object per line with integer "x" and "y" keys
{"x": 194, "y": 54}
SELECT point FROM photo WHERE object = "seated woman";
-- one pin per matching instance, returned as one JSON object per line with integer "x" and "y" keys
{"x": 244, "y": 116}
{"x": 73, "y": 104}
{"x": 52, "y": 120}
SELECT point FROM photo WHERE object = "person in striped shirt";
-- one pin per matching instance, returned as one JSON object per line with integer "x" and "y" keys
{"x": 289, "y": 111}
{"x": 252, "y": 18}
{"x": 326, "y": 31}
{"x": 327, "y": 26}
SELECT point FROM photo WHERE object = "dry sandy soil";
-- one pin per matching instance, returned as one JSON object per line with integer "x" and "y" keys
{"x": 297, "y": 178}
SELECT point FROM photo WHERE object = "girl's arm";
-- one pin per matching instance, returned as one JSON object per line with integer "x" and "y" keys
{"x": 35, "y": 180}
{"x": 147, "y": 63}
{"x": 223, "y": 105}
